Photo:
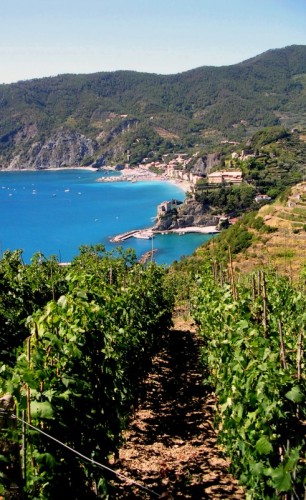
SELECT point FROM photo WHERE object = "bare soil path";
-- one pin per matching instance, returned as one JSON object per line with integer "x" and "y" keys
{"x": 170, "y": 444}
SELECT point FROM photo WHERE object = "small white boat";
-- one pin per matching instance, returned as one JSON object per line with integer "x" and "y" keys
{"x": 143, "y": 235}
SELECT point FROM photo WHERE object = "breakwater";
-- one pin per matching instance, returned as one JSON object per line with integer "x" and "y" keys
{"x": 144, "y": 234}
{"x": 147, "y": 234}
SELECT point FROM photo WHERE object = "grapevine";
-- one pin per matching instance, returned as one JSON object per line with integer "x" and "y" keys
{"x": 78, "y": 371}
{"x": 253, "y": 341}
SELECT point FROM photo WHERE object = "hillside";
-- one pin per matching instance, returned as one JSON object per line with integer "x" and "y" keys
{"x": 73, "y": 120}
{"x": 272, "y": 237}
{"x": 284, "y": 247}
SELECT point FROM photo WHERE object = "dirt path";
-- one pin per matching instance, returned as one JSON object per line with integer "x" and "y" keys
{"x": 171, "y": 444}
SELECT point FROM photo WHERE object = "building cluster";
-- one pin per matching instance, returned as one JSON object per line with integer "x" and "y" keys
{"x": 225, "y": 176}
{"x": 177, "y": 168}
{"x": 182, "y": 167}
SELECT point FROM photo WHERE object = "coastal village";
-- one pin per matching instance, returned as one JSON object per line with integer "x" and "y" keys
{"x": 190, "y": 173}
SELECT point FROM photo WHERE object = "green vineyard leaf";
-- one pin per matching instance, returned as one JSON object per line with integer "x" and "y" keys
{"x": 295, "y": 394}
{"x": 281, "y": 479}
{"x": 41, "y": 410}
{"x": 263, "y": 446}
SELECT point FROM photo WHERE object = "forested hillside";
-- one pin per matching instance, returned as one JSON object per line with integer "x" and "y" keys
{"x": 72, "y": 120}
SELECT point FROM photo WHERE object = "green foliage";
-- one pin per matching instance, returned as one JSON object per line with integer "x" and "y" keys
{"x": 24, "y": 289}
{"x": 236, "y": 238}
{"x": 278, "y": 164}
{"x": 253, "y": 354}
{"x": 268, "y": 135}
{"x": 229, "y": 199}
{"x": 80, "y": 368}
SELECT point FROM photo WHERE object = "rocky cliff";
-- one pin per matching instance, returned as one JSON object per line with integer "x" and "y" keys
{"x": 190, "y": 213}
{"x": 204, "y": 164}
{"x": 65, "y": 148}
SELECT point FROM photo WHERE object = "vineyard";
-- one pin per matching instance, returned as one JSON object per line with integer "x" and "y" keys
{"x": 81, "y": 358}
{"x": 78, "y": 341}
{"x": 253, "y": 336}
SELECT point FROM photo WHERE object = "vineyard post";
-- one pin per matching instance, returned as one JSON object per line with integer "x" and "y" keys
{"x": 28, "y": 387}
{"x": 282, "y": 345}
{"x": 29, "y": 399}
{"x": 23, "y": 448}
{"x": 214, "y": 267}
{"x": 285, "y": 250}
{"x": 264, "y": 297}
{"x": 259, "y": 284}
{"x": 253, "y": 288}
{"x": 299, "y": 366}
{"x": 231, "y": 271}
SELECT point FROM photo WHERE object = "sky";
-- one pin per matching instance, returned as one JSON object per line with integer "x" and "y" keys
{"x": 41, "y": 38}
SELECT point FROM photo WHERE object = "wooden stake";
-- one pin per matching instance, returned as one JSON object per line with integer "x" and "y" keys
{"x": 28, "y": 388}
{"x": 283, "y": 354}
{"x": 264, "y": 297}
{"x": 231, "y": 272}
{"x": 253, "y": 288}
{"x": 299, "y": 356}
{"x": 299, "y": 367}
{"x": 259, "y": 285}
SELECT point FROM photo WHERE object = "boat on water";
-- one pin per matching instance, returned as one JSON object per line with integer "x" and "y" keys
{"x": 143, "y": 235}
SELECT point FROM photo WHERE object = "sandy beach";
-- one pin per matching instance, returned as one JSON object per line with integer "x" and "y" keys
{"x": 137, "y": 174}
{"x": 140, "y": 174}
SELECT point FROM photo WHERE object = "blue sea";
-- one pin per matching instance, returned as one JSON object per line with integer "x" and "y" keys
{"x": 55, "y": 212}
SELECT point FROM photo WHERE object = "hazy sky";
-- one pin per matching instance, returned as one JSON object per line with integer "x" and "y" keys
{"x": 49, "y": 37}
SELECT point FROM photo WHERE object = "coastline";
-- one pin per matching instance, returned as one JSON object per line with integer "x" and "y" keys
{"x": 149, "y": 232}
{"x": 139, "y": 174}
{"x": 101, "y": 229}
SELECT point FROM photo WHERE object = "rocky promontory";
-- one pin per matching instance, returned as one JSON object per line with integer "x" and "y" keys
{"x": 176, "y": 215}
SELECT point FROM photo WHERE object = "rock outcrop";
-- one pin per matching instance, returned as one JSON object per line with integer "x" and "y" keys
{"x": 204, "y": 164}
{"x": 65, "y": 148}
{"x": 190, "y": 213}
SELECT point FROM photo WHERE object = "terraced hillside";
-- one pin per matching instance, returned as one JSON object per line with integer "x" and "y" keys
{"x": 285, "y": 248}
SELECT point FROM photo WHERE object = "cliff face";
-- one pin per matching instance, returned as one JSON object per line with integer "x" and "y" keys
{"x": 204, "y": 164}
{"x": 190, "y": 213}
{"x": 62, "y": 149}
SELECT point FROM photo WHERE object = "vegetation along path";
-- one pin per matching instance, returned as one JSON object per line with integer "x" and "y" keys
{"x": 170, "y": 444}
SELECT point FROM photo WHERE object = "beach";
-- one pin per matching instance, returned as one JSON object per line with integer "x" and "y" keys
{"x": 141, "y": 174}
{"x": 136, "y": 174}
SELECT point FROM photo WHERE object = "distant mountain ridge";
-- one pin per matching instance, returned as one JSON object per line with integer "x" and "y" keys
{"x": 74, "y": 120}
